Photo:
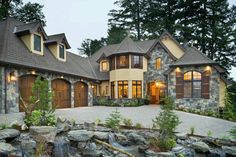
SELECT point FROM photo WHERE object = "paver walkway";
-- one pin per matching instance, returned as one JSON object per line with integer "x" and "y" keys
{"x": 143, "y": 115}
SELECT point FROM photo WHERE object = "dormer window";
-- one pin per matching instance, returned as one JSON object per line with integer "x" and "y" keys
{"x": 61, "y": 51}
{"x": 37, "y": 43}
{"x": 104, "y": 66}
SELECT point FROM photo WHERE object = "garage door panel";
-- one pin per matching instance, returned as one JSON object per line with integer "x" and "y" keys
{"x": 80, "y": 94}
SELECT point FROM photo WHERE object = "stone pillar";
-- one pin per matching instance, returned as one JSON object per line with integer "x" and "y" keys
{"x": 50, "y": 88}
{"x": 2, "y": 90}
{"x": 72, "y": 95}
{"x": 90, "y": 94}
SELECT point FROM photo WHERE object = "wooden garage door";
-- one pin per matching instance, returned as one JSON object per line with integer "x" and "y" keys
{"x": 80, "y": 94}
{"x": 25, "y": 87}
{"x": 61, "y": 91}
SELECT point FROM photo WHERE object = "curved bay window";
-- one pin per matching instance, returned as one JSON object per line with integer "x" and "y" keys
{"x": 137, "y": 89}
{"x": 122, "y": 61}
{"x": 192, "y": 84}
{"x": 122, "y": 89}
{"x": 137, "y": 61}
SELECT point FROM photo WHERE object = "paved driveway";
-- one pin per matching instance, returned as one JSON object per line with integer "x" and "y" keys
{"x": 143, "y": 115}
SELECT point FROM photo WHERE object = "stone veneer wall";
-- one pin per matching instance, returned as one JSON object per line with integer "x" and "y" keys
{"x": 13, "y": 90}
{"x": 197, "y": 103}
{"x": 152, "y": 73}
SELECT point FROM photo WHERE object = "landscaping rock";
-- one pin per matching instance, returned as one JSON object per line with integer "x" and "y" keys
{"x": 135, "y": 138}
{"x": 80, "y": 135}
{"x": 101, "y": 135}
{"x": 151, "y": 153}
{"x": 29, "y": 144}
{"x": 200, "y": 147}
{"x": 229, "y": 150}
{"x": 43, "y": 133}
{"x": 8, "y": 133}
{"x": 16, "y": 125}
{"x": 6, "y": 147}
{"x": 165, "y": 154}
{"x": 181, "y": 136}
{"x": 178, "y": 150}
{"x": 63, "y": 125}
{"x": 122, "y": 139}
{"x": 89, "y": 126}
{"x": 89, "y": 153}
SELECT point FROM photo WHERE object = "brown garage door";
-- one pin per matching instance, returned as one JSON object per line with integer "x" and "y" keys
{"x": 25, "y": 87}
{"x": 61, "y": 91}
{"x": 80, "y": 94}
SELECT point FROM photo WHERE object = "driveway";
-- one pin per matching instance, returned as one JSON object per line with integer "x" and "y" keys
{"x": 143, "y": 115}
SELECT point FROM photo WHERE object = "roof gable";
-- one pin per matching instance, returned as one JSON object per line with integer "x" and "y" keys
{"x": 58, "y": 38}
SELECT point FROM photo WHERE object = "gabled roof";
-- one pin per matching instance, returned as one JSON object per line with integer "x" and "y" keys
{"x": 14, "y": 52}
{"x": 58, "y": 38}
{"x": 128, "y": 46}
{"x": 23, "y": 29}
{"x": 193, "y": 56}
{"x": 102, "y": 57}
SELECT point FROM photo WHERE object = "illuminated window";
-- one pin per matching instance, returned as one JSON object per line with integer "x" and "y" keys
{"x": 104, "y": 66}
{"x": 158, "y": 63}
{"x": 122, "y": 62}
{"x": 122, "y": 89}
{"x": 136, "y": 89}
{"x": 61, "y": 51}
{"x": 113, "y": 89}
{"x": 192, "y": 84}
{"x": 136, "y": 61}
{"x": 37, "y": 42}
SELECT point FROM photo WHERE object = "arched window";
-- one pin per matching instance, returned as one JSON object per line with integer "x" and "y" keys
{"x": 158, "y": 63}
{"x": 192, "y": 84}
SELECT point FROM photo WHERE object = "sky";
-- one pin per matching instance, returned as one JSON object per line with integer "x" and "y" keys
{"x": 81, "y": 19}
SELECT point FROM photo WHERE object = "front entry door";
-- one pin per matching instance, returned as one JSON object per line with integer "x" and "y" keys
{"x": 154, "y": 93}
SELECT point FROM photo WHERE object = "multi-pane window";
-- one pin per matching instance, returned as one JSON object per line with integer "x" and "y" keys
{"x": 192, "y": 84}
{"x": 158, "y": 63}
{"x": 61, "y": 51}
{"x": 104, "y": 66}
{"x": 136, "y": 61}
{"x": 113, "y": 89}
{"x": 122, "y": 89}
{"x": 122, "y": 61}
{"x": 37, "y": 42}
{"x": 136, "y": 89}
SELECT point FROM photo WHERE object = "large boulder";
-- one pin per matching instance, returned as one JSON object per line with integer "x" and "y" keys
{"x": 6, "y": 147}
{"x": 201, "y": 147}
{"x": 63, "y": 125}
{"x": 43, "y": 133}
{"x": 9, "y": 133}
{"x": 122, "y": 139}
{"x": 229, "y": 150}
{"x": 80, "y": 135}
{"x": 165, "y": 154}
{"x": 135, "y": 138}
{"x": 101, "y": 135}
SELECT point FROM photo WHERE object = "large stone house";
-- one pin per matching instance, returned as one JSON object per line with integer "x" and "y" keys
{"x": 151, "y": 68}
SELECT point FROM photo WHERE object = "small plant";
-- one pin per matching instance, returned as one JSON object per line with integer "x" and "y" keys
{"x": 209, "y": 133}
{"x": 40, "y": 118}
{"x": 114, "y": 120}
{"x": 98, "y": 121}
{"x": 181, "y": 155}
{"x": 138, "y": 125}
{"x": 192, "y": 130}
{"x": 233, "y": 133}
{"x": 163, "y": 145}
{"x": 127, "y": 122}
{"x": 4, "y": 126}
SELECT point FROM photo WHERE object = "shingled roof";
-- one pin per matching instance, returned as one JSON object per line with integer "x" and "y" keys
{"x": 193, "y": 56}
{"x": 13, "y": 51}
{"x": 58, "y": 38}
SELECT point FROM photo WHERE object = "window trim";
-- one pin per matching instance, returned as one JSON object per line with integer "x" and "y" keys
{"x": 140, "y": 64}
{"x": 33, "y": 44}
{"x": 118, "y": 66}
{"x": 192, "y": 82}
{"x": 60, "y": 51}
{"x": 107, "y": 65}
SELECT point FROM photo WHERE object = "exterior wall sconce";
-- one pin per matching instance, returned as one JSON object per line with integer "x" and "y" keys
{"x": 157, "y": 84}
{"x": 33, "y": 72}
{"x": 12, "y": 77}
{"x": 177, "y": 70}
{"x": 92, "y": 86}
{"x": 62, "y": 77}
{"x": 208, "y": 68}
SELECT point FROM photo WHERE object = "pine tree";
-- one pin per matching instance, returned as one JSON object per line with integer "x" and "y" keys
{"x": 115, "y": 35}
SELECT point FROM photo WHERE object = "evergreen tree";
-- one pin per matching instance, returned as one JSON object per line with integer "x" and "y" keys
{"x": 7, "y": 7}
{"x": 115, "y": 35}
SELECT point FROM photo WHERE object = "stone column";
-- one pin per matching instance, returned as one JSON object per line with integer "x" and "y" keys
{"x": 72, "y": 95}
{"x": 50, "y": 88}
{"x": 2, "y": 90}
{"x": 90, "y": 94}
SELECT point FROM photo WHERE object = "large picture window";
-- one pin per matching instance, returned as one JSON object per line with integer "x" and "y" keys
{"x": 37, "y": 42}
{"x": 192, "y": 84}
{"x": 136, "y": 89}
{"x": 122, "y": 89}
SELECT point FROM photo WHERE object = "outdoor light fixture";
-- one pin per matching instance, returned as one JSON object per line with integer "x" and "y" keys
{"x": 33, "y": 72}
{"x": 62, "y": 76}
{"x": 12, "y": 76}
{"x": 92, "y": 86}
{"x": 208, "y": 68}
{"x": 177, "y": 69}
{"x": 157, "y": 84}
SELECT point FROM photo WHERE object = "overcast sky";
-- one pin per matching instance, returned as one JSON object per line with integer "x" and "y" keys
{"x": 81, "y": 19}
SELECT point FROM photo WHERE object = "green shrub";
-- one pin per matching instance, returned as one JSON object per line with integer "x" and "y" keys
{"x": 40, "y": 118}
{"x": 138, "y": 125}
{"x": 167, "y": 121}
{"x": 163, "y": 145}
{"x": 209, "y": 133}
{"x": 229, "y": 111}
{"x": 4, "y": 126}
{"x": 114, "y": 120}
{"x": 127, "y": 122}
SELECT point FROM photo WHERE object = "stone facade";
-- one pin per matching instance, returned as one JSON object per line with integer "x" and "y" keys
{"x": 12, "y": 88}
{"x": 152, "y": 73}
{"x": 198, "y": 103}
